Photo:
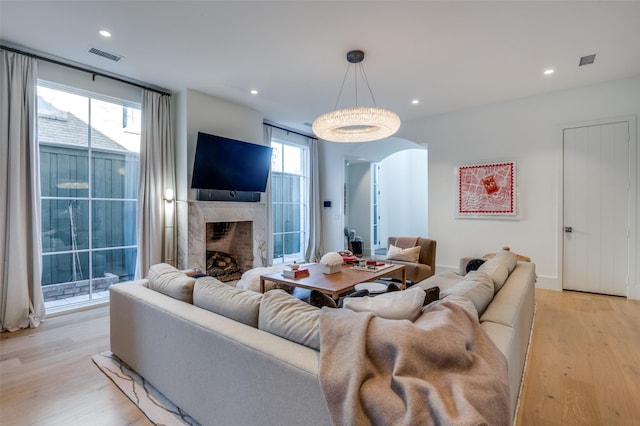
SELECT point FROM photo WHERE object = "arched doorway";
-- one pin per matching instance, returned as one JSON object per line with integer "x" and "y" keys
{"x": 385, "y": 192}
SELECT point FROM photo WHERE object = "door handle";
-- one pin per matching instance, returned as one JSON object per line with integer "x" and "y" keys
{"x": 568, "y": 229}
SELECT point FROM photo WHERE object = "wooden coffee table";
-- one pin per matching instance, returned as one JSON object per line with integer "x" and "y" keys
{"x": 333, "y": 284}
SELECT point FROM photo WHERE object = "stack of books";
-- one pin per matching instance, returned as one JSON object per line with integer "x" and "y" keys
{"x": 349, "y": 259}
{"x": 298, "y": 273}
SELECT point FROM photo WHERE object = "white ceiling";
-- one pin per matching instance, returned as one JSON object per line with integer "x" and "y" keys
{"x": 449, "y": 55}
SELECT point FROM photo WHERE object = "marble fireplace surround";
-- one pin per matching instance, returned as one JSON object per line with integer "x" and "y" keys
{"x": 201, "y": 212}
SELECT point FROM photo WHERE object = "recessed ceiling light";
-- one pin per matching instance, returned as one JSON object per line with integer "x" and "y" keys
{"x": 415, "y": 101}
{"x": 253, "y": 92}
{"x": 549, "y": 71}
{"x": 104, "y": 33}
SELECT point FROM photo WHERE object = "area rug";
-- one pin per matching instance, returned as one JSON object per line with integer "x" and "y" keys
{"x": 158, "y": 409}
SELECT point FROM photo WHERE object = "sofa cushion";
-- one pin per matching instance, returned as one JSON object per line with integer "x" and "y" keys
{"x": 444, "y": 280}
{"x": 167, "y": 280}
{"x": 289, "y": 317}
{"x": 506, "y": 339}
{"x": 507, "y": 258}
{"x": 395, "y": 305}
{"x": 407, "y": 255}
{"x": 239, "y": 305}
{"x": 476, "y": 286}
{"x": 464, "y": 303}
{"x": 250, "y": 280}
{"x": 507, "y": 306}
{"x": 498, "y": 272}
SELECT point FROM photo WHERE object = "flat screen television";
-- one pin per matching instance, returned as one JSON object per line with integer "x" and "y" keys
{"x": 230, "y": 165}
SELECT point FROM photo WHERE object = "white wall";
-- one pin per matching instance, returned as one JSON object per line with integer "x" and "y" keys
{"x": 208, "y": 114}
{"x": 332, "y": 178}
{"x": 83, "y": 80}
{"x": 403, "y": 183}
{"x": 359, "y": 208}
{"x": 530, "y": 132}
{"x": 199, "y": 112}
{"x": 332, "y": 174}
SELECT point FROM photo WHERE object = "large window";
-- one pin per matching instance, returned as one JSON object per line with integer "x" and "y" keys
{"x": 289, "y": 199}
{"x": 89, "y": 150}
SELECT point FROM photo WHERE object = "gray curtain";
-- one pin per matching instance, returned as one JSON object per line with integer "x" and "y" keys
{"x": 157, "y": 173}
{"x": 268, "y": 239}
{"x": 21, "y": 301}
{"x": 314, "y": 246}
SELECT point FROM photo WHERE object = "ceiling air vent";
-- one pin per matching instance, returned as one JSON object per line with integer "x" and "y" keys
{"x": 587, "y": 60}
{"x": 104, "y": 54}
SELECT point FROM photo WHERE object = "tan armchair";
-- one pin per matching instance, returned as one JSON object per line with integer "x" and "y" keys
{"x": 426, "y": 265}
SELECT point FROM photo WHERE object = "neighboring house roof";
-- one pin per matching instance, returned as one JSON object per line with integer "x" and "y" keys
{"x": 64, "y": 127}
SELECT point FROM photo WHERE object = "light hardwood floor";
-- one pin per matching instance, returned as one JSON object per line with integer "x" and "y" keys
{"x": 583, "y": 367}
{"x": 47, "y": 376}
{"x": 584, "y": 361}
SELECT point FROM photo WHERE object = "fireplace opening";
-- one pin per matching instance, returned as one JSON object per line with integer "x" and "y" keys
{"x": 223, "y": 266}
{"x": 229, "y": 249}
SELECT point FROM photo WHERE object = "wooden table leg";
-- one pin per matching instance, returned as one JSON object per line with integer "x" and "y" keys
{"x": 261, "y": 285}
{"x": 404, "y": 278}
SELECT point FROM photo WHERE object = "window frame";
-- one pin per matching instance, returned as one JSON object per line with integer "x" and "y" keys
{"x": 90, "y": 197}
{"x": 303, "y": 203}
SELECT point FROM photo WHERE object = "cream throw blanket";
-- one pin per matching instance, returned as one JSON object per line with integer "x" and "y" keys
{"x": 441, "y": 369}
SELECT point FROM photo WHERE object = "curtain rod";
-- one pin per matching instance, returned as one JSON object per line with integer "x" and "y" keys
{"x": 289, "y": 130}
{"x": 78, "y": 68}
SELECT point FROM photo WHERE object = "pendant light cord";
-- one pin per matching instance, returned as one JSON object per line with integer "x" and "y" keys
{"x": 358, "y": 67}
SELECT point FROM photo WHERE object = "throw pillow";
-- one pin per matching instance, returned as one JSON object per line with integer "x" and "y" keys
{"x": 392, "y": 287}
{"x": 474, "y": 264}
{"x": 167, "y": 280}
{"x": 250, "y": 280}
{"x": 290, "y": 318}
{"x": 239, "y": 305}
{"x": 360, "y": 293}
{"x": 464, "y": 303}
{"x": 319, "y": 300}
{"x": 508, "y": 259}
{"x": 477, "y": 287}
{"x": 395, "y": 305}
{"x": 432, "y": 294}
{"x": 498, "y": 272}
{"x": 406, "y": 255}
{"x": 444, "y": 280}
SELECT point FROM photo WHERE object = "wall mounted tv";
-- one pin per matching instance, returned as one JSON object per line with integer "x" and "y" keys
{"x": 230, "y": 170}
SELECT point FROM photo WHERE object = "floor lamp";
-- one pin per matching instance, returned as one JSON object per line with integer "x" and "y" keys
{"x": 169, "y": 227}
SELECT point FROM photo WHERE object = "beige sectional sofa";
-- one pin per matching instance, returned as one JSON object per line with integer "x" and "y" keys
{"x": 508, "y": 318}
{"x": 235, "y": 367}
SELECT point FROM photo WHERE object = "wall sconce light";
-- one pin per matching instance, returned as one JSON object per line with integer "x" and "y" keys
{"x": 168, "y": 194}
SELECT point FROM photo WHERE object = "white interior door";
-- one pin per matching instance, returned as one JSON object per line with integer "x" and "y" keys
{"x": 596, "y": 208}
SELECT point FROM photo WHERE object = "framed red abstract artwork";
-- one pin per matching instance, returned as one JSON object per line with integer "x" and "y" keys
{"x": 487, "y": 190}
